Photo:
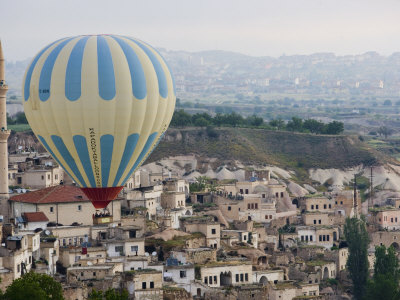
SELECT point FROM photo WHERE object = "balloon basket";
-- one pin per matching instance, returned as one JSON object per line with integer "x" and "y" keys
{"x": 102, "y": 220}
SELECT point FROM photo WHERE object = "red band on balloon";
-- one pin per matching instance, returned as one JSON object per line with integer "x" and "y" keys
{"x": 101, "y": 197}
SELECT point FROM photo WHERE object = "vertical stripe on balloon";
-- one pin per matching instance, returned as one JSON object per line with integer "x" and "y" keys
{"x": 126, "y": 156}
{"x": 59, "y": 143}
{"x": 44, "y": 143}
{"x": 146, "y": 148}
{"x": 82, "y": 150}
{"x": 106, "y": 150}
{"x": 105, "y": 68}
{"x": 73, "y": 83}
{"x": 162, "y": 81}
{"x": 47, "y": 70}
{"x": 28, "y": 78}
{"x": 138, "y": 78}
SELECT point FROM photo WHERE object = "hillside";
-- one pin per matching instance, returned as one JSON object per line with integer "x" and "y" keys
{"x": 261, "y": 147}
{"x": 254, "y": 147}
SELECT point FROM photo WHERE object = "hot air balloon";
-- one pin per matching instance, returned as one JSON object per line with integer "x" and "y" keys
{"x": 99, "y": 104}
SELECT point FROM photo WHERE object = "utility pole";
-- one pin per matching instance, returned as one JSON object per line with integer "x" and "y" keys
{"x": 355, "y": 204}
{"x": 370, "y": 204}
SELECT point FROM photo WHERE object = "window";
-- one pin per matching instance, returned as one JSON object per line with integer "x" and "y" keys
{"x": 311, "y": 238}
{"x": 330, "y": 206}
{"x": 319, "y": 221}
{"x": 248, "y": 205}
{"x": 48, "y": 176}
{"x": 241, "y": 191}
{"x": 134, "y": 249}
{"x": 80, "y": 207}
{"x": 391, "y": 220}
{"x": 94, "y": 273}
{"x": 323, "y": 238}
{"x": 270, "y": 216}
{"x": 246, "y": 277}
{"x": 206, "y": 280}
{"x": 182, "y": 274}
{"x": 210, "y": 279}
{"x": 302, "y": 238}
{"x": 241, "y": 277}
{"x": 324, "y": 206}
{"x": 256, "y": 205}
{"x": 56, "y": 176}
{"x": 320, "y": 238}
{"x": 51, "y": 209}
{"x": 306, "y": 238}
{"x": 30, "y": 259}
{"x": 316, "y": 206}
{"x": 281, "y": 194}
{"x": 213, "y": 231}
{"x": 18, "y": 268}
{"x": 132, "y": 234}
{"x": 42, "y": 177}
{"x": 312, "y": 206}
{"x": 229, "y": 208}
{"x": 327, "y": 237}
{"x": 263, "y": 195}
{"x": 215, "y": 279}
{"x": 119, "y": 249}
{"x": 247, "y": 191}
{"x": 81, "y": 273}
{"x": 315, "y": 221}
{"x": 266, "y": 217}
{"x": 152, "y": 284}
{"x": 252, "y": 206}
{"x": 245, "y": 237}
{"x": 277, "y": 195}
{"x": 237, "y": 277}
{"x": 143, "y": 285}
{"x": 341, "y": 202}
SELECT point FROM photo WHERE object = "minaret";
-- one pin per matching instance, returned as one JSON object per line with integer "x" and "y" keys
{"x": 4, "y": 133}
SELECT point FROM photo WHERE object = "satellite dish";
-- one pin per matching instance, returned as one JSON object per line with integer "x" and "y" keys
{"x": 154, "y": 253}
{"x": 146, "y": 254}
{"x": 47, "y": 232}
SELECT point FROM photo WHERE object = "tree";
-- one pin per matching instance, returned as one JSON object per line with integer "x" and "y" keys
{"x": 181, "y": 119}
{"x": 334, "y": 127}
{"x": 110, "y": 294}
{"x": 385, "y": 131}
{"x": 314, "y": 126}
{"x": 385, "y": 282}
{"x": 277, "y": 123}
{"x": 20, "y": 118}
{"x": 201, "y": 122}
{"x": 34, "y": 286}
{"x": 387, "y": 102}
{"x": 295, "y": 124}
{"x": 357, "y": 239}
{"x": 254, "y": 121}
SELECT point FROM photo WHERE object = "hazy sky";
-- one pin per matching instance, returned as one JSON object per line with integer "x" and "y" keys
{"x": 255, "y": 27}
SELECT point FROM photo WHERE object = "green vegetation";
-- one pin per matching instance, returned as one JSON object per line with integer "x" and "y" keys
{"x": 19, "y": 127}
{"x": 34, "y": 286}
{"x": 233, "y": 119}
{"x": 385, "y": 281}
{"x": 357, "y": 239}
{"x": 363, "y": 186}
{"x": 110, "y": 294}
{"x": 296, "y": 151}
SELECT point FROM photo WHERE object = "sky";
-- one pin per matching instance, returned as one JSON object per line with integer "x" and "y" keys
{"x": 252, "y": 27}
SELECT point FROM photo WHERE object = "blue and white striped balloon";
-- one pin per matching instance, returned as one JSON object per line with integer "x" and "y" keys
{"x": 99, "y": 104}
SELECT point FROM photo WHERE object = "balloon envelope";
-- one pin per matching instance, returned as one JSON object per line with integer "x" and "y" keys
{"x": 99, "y": 104}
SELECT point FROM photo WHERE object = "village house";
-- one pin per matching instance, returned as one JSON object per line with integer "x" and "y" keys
{"x": 209, "y": 228}
{"x": 144, "y": 284}
{"x": 226, "y": 273}
{"x": 61, "y": 204}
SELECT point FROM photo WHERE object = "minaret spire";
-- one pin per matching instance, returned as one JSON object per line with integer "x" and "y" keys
{"x": 4, "y": 134}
